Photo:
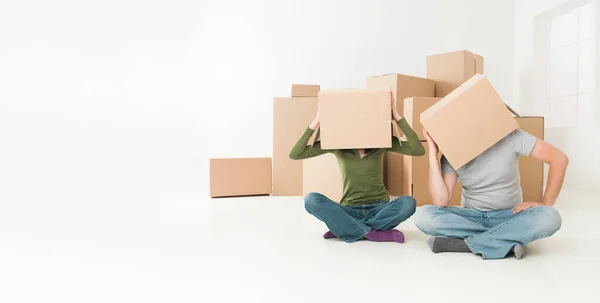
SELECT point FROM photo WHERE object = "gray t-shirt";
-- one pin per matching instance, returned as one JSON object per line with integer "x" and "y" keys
{"x": 491, "y": 181}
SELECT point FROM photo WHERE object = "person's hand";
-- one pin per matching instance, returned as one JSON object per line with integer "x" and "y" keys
{"x": 526, "y": 205}
{"x": 433, "y": 148}
{"x": 395, "y": 114}
{"x": 316, "y": 122}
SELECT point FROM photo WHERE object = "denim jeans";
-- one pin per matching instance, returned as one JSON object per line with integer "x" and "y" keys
{"x": 352, "y": 223}
{"x": 489, "y": 233}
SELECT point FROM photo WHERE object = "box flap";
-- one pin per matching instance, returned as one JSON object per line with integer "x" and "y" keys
{"x": 512, "y": 111}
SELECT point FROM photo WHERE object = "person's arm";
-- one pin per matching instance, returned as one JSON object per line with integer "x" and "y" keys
{"x": 558, "y": 162}
{"x": 412, "y": 146}
{"x": 441, "y": 185}
{"x": 302, "y": 150}
{"x": 527, "y": 145}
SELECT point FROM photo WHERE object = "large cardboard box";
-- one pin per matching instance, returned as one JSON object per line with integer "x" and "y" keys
{"x": 416, "y": 171}
{"x": 240, "y": 177}
{"x": 403, "y": 87}
{"x": 416, "y": 180}
{"x": 291, "y": 117}
{"x": 394, "y": 174}
{"x": 413, "y": 107}
{"x": 468, "y": 121}
{"x": 305, "y": 90}
{"x": 322, "y": 175}
{"x": 450, "y": 70}
{"x": 531, "y": 169}
{"x": 355, "y": 118}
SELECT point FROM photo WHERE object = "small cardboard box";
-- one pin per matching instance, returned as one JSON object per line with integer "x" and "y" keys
{"x": 322, "y": 175}
{"x": 416, "y": 180}
{"x": 531, "y": 169}
{"x": 468, "y": 121}
{"x": 305, "y": 90}
{"x": 291, "y": 117}
{"x": 450, "y": 70}
{"x": 355, "y": 118}
{"x": 240, "y": 177}
{"x": 403, "y": 87}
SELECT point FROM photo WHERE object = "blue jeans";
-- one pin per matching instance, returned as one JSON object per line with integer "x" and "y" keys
{"x": 489, "y": 233}
{"x": 352, "y": 223}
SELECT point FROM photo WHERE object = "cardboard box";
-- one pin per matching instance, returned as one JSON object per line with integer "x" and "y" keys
{"x": 416, "y": 171}
{"x": 305, "y": 90}
{"x": 322, "y": 175}
{"x": 531, "y": 169}
{"x": 291, "y": 117}
{"x": 468, "y": 121}
{"x": 240, "y": 177}
{"x": 416, "y": 180}
{"x": 450, "y": 70}
{"x": 403, "y": 87}
{"x": 413, "y": 107}
{"x": 355, "y": 118}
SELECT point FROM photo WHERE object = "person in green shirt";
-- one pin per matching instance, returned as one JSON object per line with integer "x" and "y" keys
{"x": 365, "y": 209}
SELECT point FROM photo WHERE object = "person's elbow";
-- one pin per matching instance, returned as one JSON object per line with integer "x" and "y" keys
{"x": 561, "y": 160}
{"x": 294, "y": 156}
{"x": 440, "y": 202}
{"x": 419, "y": 150}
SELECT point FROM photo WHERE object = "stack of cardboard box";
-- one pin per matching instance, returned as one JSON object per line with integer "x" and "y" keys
{"x": 454, "y": 90}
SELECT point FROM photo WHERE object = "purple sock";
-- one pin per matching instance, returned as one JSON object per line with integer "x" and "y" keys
{"x": 393, "y": 235}
{"x": 328, "y": 235}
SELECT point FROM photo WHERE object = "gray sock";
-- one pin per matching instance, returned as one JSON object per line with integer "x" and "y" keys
{"x": 443, "y": 244}
{"x": 519, "y": 251}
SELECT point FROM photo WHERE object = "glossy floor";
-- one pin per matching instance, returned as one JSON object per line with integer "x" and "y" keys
{"x": 177, "y": 248}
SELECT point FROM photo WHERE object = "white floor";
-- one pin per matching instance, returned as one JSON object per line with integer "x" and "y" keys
{"x": 175, "y": 248}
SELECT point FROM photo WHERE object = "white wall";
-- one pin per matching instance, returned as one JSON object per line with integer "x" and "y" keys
{"x": 100, "y": 98}
{"x": 581, "y": 143}
{"x": 256, "y": 49}
{"x": 110, "y": 97}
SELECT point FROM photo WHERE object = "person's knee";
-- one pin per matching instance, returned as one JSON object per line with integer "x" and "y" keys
{"x": 313, "y": 201}
{"x": 425, "y": 218}
{"x": 548, "y": 220}
{"x": 405, "y": 205}
{"x": 410, "y": 204}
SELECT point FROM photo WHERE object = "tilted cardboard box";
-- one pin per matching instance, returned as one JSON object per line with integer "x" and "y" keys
{"x": 468, "y": 121}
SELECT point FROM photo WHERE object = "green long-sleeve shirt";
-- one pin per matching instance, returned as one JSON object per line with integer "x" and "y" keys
{"x": 362, "y": 177}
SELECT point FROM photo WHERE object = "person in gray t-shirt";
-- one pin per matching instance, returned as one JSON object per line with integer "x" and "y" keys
{"x": 493, "y": 220}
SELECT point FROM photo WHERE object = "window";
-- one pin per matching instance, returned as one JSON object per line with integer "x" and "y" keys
{"x": 572, "y": 67}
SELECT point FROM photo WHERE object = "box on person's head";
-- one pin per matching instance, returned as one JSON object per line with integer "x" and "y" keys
{"x": 468, "y": 121}
{"x": 355, "y": 118}
{"x": 450, "y": 70}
